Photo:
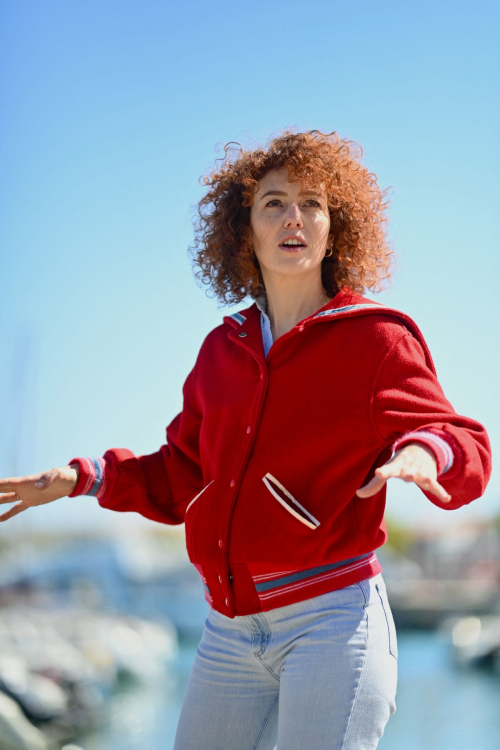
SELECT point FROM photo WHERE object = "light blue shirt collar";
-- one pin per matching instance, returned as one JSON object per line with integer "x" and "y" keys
{"x": 265, "y": 323}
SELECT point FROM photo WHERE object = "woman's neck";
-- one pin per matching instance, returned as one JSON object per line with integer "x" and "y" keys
{"x": 289, "y": 303}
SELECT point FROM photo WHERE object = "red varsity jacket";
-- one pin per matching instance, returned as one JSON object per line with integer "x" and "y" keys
{"x": 263, "y": 462}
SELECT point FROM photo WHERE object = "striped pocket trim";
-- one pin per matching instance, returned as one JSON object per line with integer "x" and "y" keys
{"x": 198, "y": 495}
{"x": 303, "y": 516}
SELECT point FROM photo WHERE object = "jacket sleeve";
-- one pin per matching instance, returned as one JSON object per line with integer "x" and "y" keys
{"x": 159, "y": 486}
{"x": 409, "y": 405}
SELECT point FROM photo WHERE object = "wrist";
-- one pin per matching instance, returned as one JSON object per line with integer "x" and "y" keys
{"x": 420, "y": 445}
{"x": 72, "y": 474}
{"x": 76, "y": 469}
{"x": 439, "y": 448}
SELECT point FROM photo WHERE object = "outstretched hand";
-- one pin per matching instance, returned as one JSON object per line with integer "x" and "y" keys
{"x": 413, "y": 463}
{"x": 37, "y": 489}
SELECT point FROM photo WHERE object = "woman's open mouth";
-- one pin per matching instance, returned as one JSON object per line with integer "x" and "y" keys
{"x": 293, "y": 246}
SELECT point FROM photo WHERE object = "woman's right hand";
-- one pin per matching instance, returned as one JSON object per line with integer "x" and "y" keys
{"x": 37, "y": 489}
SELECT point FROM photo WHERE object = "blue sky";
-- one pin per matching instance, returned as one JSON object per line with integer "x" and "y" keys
{"x": 113, "y": 110}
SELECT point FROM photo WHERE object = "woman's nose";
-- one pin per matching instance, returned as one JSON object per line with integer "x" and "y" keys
{"x": 293, "y": 217}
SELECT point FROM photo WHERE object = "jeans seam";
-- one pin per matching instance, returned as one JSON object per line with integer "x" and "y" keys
{"x": 258, "y": 655}
{"x": 265, "y": 634}
{"x": 392, "y": 650}
{"x": 256, "y": 746}
{"x": 265, "y": 629}
{"x": 266, "y": 666}
{"x": 362, "y": 668}
{"x": 360, "y": 584}
{"x": 250, "y": 628}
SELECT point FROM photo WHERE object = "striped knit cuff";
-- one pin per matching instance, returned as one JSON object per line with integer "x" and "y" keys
{"x": 442, "y": 450}
{"x": 92, "y": 479}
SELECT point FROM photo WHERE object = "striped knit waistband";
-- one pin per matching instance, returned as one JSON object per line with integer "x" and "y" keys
{"x": 257, "y": 588}
{"x": 272, "y": 585}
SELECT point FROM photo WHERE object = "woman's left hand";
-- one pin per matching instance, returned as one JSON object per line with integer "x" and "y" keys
{"x": 413, "y": 463}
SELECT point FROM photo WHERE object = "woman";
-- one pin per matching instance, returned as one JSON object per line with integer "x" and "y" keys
{"x": 297, "y": 411}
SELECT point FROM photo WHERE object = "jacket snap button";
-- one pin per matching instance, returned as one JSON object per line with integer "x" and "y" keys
{"x": 227, "y": 602}
{"x": 242, "y": 334}
{"x": 220, "y": 579}
{"x": 232, "y": 483}
{"x": 220, "y": 542}
{"x": 249, "y": 428}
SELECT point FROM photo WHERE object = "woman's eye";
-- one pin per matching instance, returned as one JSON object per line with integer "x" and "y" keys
{"x": 275, "y": 200}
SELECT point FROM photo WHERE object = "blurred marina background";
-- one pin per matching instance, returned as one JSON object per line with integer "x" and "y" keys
{"x": 111, "y": 112}
{"x": 98, "y": 634}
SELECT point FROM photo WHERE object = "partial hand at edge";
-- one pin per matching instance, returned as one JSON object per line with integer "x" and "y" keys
{"x": 37, "y": 489}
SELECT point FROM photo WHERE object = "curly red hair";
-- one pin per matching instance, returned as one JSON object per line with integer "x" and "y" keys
{"x": 223, "y": 251}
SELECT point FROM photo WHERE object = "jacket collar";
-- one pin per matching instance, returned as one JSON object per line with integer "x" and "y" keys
{"x": 345, "y": 304}
{"x": 344, "y": 301}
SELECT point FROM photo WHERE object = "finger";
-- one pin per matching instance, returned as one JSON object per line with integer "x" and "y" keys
{"x": 11, "y": 484}
{"x": 8, "y": 485}
{"x": 373, "y": 486}
{"x": 430, "y": 485}
{"x": 396, "y": 469}
{"x": 13, "y": 511}
{"x": 393, "y": 468}
{"x": 8, "y": 497}
{"x": 382, "y": 474}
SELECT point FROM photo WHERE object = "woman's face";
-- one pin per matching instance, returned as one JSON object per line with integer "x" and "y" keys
{"x": 280, "y": 210}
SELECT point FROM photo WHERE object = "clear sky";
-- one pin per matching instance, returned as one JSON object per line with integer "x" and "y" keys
{"x": 111, "y": 112}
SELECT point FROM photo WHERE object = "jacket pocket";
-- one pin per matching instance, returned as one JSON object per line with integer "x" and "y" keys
{"x": 198, "y": 495}
{"x": 287, "y": 500}
{"x": 192, "y": 523}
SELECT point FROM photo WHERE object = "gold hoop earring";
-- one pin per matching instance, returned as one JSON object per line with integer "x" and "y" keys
{"x": 327, "y": 255}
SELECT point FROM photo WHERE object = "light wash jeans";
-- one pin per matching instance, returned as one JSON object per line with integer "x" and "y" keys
{"x": 317, "y": 675}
